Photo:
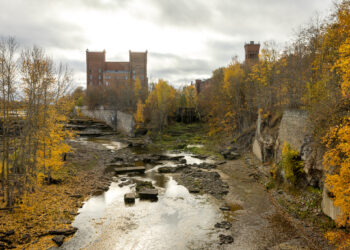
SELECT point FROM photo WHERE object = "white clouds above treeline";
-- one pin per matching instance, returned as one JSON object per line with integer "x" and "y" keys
{"x": 186, "y": 39}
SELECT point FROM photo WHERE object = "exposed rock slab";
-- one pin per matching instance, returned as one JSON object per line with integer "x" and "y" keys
{"x": 129, "y": 198}
{"x": 148, "y": 194}
{"x": 123, "y": 170}
{"x": 59, "y": 239}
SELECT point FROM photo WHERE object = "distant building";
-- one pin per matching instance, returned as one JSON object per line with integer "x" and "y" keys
{"x": 251, "y": 52}
{"x": 102, "y": 73}
{"x": 201, "y": 85}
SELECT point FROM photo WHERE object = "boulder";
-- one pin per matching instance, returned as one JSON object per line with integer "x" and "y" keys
{"x": 66, "y": 232}
{"x": 225, "y": 239}
{"x": 230, "y": 155}
{"x": 205, "y": 165}
{"x": 193, "y": 190}
{"x": 224, "y": 224}
{"x": 129, "y": 198}
{"x": 176, "y": 158}
{"x": 165, "y": 170}
{"x": 225, "y": 208}
{"x": 148, "y": 194}
{"x": 59, "y": 239}
{"x": 202, "y": 157}
{"x": 257, "y": 151}
{"x": 144, "y": 185}
{"x": 125, "y": 183}
{"x": 312, "y": 155}
{"x": 78, "y": 196}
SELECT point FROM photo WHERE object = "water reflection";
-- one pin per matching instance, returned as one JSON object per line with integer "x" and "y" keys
{"x": 178, "y": 220}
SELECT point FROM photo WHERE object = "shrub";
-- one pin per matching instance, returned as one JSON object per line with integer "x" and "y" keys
{"x": 291, "y": 163}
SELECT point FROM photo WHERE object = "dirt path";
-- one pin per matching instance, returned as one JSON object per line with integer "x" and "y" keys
{"x": 256, "y": 224}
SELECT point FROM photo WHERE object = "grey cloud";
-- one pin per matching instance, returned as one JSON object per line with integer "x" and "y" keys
{"x": 38, "y": 24}
{"x": 77, "y": 65}
{"x": 183, "y": 12}
{"x": 261, "y": 19}
{"x": 88, "y": 4}
{"x": 177, "y": 69}
{"x": 224, "y": 50}
{"x": 177, "y": 64}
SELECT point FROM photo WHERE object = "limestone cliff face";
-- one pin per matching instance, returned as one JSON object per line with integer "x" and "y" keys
{"x": 292, "y": 127}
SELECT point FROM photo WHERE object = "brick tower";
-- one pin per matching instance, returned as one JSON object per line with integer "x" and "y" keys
{"x": 138, "y": 67}
{"x": 252, "y": 52}
{"x": 95, "y": 66}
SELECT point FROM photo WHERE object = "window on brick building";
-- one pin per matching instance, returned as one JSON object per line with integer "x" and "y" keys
{"x": 99, "y": 70}
{"x": 99, "y": 77}
{"x": 90, "y": 77}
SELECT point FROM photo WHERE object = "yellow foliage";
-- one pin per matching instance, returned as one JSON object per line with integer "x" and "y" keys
{"x": 291, "y": 163}
{"x": 137, "y": 89}
{"x": 161, "y": 102}
{"x": 190, "y": 96}
{"x": 337, "y": 163}
{"x": 343, "y": 64}
{"x": 138, "y": 116}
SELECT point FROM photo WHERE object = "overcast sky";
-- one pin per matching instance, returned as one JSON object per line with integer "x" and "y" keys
{"x": 185, "y": 39}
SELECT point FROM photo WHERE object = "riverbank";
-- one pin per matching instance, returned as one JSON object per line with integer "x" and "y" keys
{"x": 52, "y": 208}
{"x": 250, "y": 206}
{"x": 291, "y": 212}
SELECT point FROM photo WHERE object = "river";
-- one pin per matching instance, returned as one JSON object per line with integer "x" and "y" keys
{"x": 178, "y": 220}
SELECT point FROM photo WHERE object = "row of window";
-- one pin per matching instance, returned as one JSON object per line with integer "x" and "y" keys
{"x": 117, "y": 77}
{"x": 141, "y": 71}
{"x": 99, "y": 77}
{"x": 99, "y": 71}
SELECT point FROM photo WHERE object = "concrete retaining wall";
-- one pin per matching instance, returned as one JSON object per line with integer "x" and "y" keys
{"x": 328, "y": 207}
{"x": 293, "y": 128}
{"x": 119, "y": 121}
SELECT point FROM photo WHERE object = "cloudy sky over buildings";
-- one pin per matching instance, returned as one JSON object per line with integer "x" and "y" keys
{"x": 185, "y": 39}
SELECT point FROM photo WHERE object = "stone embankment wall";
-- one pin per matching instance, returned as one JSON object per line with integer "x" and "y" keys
{"x": 119, "y": 121}
{"x": 292, "y": 127}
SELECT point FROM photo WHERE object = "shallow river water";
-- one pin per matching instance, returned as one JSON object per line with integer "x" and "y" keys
{"x": 178, "y": 220}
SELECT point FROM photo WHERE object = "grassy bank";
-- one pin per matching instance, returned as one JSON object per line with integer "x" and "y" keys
{"x": 186, "y": 137}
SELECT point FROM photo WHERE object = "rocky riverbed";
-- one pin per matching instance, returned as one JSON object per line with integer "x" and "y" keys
{"x": 175, "y": 211}
{"x": 202, "y": 203}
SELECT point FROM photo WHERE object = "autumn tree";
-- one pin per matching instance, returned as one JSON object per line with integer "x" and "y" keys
{"x": 8, "y": 77}
{"x": 33, "y": 149}
{"x": 337, "y": 140}
{"x": 78, "y": 96}
{"x": 161, "y": 103}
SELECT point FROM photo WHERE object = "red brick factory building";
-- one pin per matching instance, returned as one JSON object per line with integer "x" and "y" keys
{"x": 102, "y": 73}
